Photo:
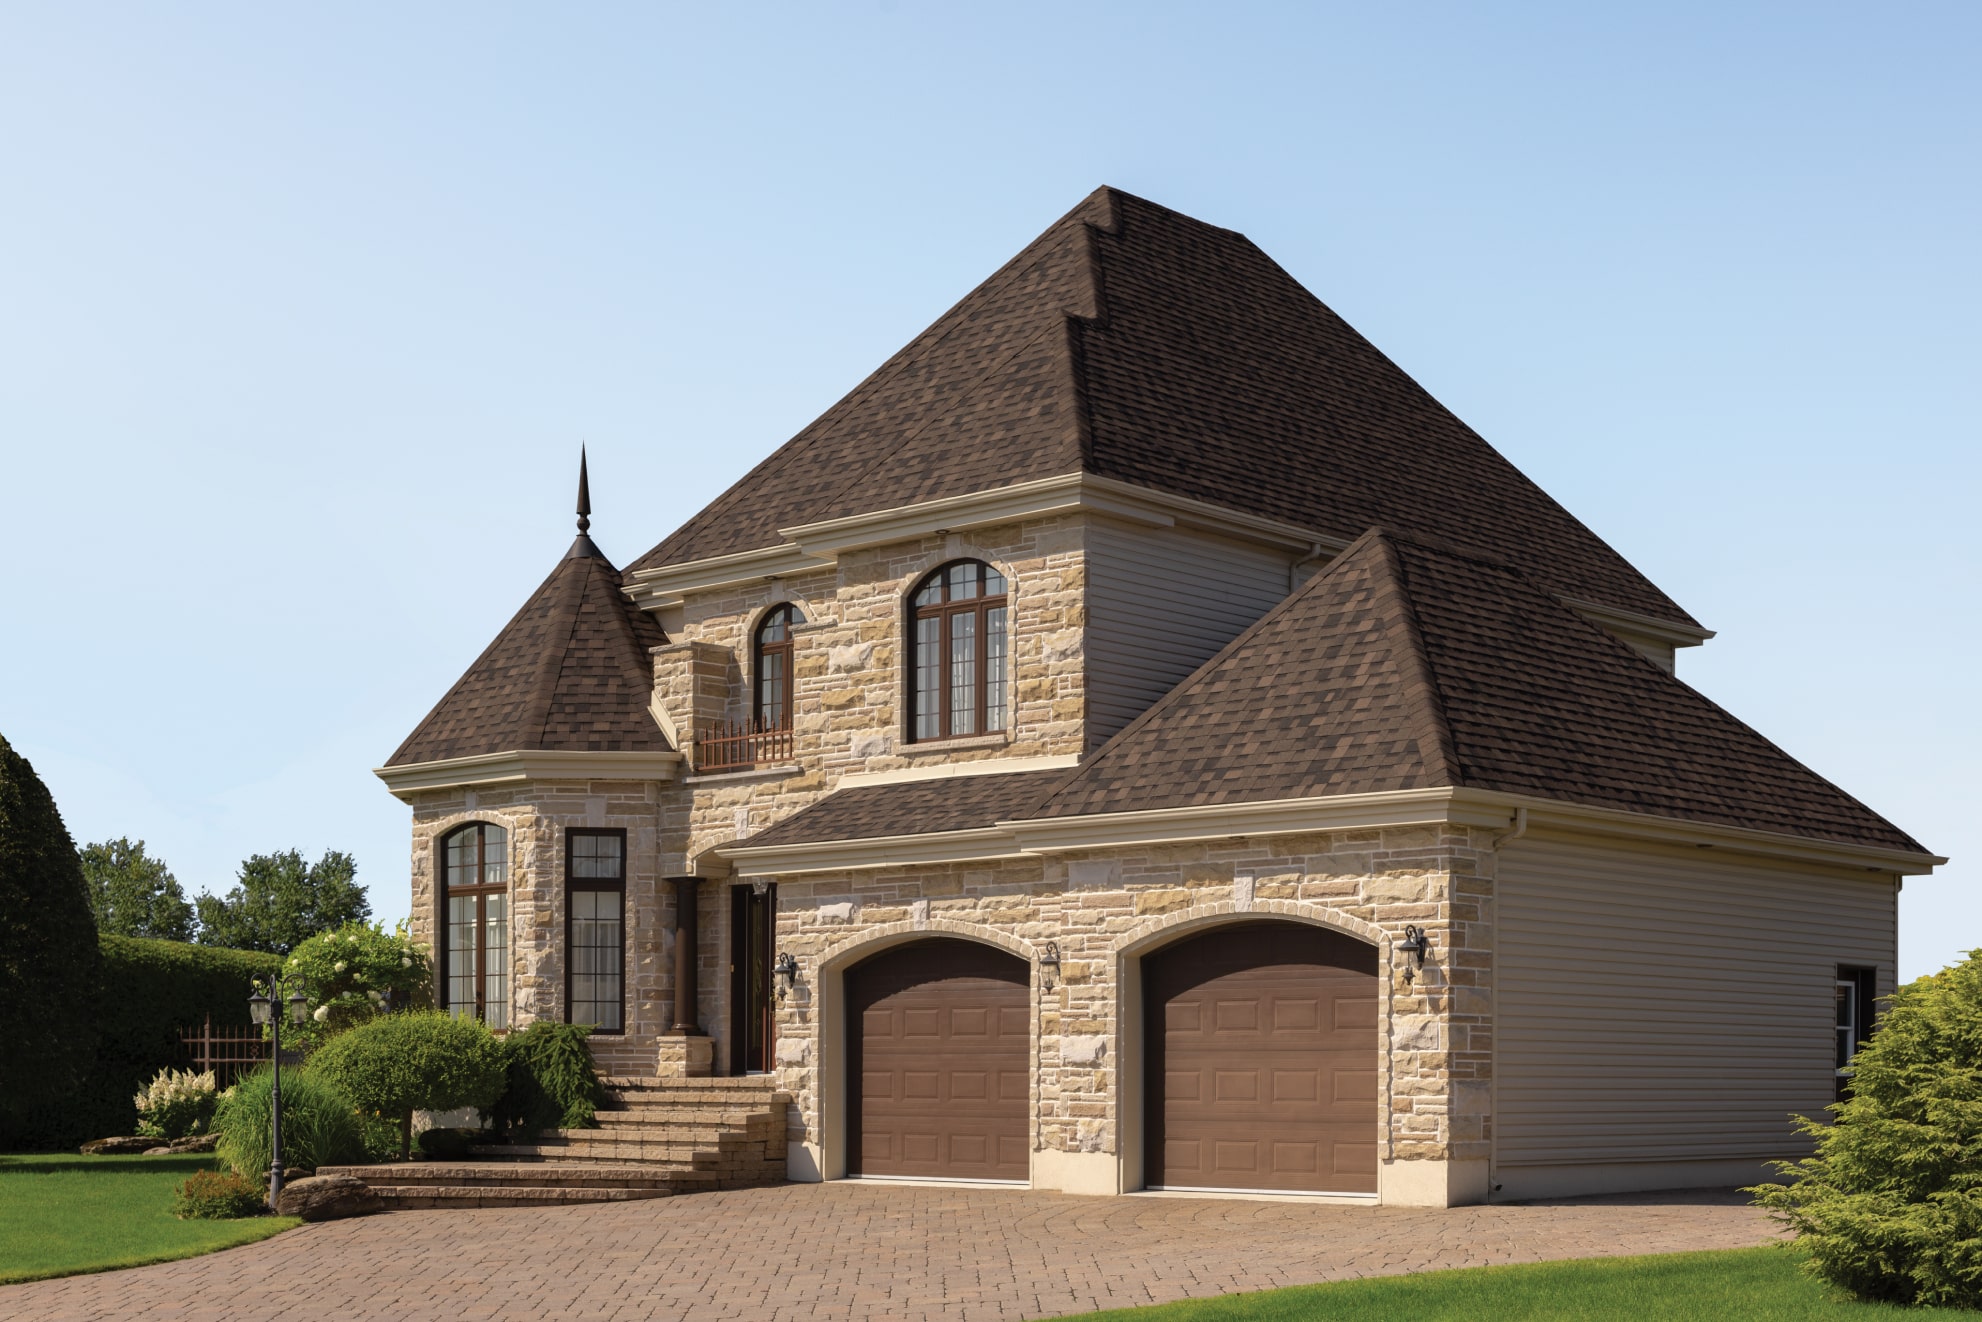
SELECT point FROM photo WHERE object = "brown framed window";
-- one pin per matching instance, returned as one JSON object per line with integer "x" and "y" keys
{"x": 771, "y": 704}
{"x": 474, "y": 965}
{"x": 1857, "y": 989}
{"x": 595, "y": 929}
{"x": 957, "y": 685}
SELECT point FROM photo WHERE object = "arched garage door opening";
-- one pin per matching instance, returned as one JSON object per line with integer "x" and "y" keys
{"x": 1260, "y": 1058}
{"x": 939, "y": 1048}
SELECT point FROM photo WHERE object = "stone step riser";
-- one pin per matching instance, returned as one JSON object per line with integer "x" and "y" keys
{"x": 397, "y": 1198}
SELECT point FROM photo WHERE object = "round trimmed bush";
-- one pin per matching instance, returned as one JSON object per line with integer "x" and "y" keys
{"x": 1890, "y": 1206}
{"x": 423, "y": 1061}
{"x": 320, "y": 1124}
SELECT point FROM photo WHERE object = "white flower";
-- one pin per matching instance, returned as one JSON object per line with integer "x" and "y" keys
{"x": 405, "y": 961}
{"x": 351, "y": 938}
{"x": 322, "y": 1015}
{"x": 338, "y": 967}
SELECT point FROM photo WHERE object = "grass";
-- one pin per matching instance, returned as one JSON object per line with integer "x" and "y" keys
{"x": 62, "y": 1216}
{"x": 1734, "y": 1285}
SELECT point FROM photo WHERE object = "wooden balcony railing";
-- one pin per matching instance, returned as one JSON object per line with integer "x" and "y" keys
{"x": 740, "y": 745}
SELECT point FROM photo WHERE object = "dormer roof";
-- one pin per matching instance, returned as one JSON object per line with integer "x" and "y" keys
{"x": 570, "y": 672}
{"x": 1134, "y": 343}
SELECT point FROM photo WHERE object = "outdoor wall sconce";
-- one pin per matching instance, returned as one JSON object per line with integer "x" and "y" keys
{"x": 1414, "y": 946}
{"x": 784, "y": 974}
{"x": 1049, "y": 965}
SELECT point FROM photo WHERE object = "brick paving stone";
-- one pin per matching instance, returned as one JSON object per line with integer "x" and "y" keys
{"x": 856, "y": 1250}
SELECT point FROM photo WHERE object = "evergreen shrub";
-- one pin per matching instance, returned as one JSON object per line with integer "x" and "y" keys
{"x": 551, "y": 1082}
{"x": 1890, "y": 1204}
{"x": 320, "y": 1123}
{"x": 424, "y": 1060}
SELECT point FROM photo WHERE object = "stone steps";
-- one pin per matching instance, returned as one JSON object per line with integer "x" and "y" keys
{"x": 432, "y": 1184}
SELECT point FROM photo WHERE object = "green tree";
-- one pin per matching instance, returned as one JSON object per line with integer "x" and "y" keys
{"x": 49, "y": 962}
{"x": 1890, "y": 1206}
{"x": 133, "y": 893}
{"x": 281, "y": 902}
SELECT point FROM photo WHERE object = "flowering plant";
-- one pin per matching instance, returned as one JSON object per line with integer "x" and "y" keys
{"x": 353, "y": 973}
{"x": 175, "y": 1104}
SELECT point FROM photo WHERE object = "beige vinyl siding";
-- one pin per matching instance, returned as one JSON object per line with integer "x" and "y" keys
{"x": 1670, "y": 1005}
{"x": 1160, "y": 603}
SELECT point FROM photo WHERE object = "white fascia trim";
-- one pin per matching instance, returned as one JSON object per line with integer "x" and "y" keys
{"x": 1615, "y": 822}
{"x": 1647, "y": 626}
{"x": 816, "y": 545}
{"x": 943, "y": 770}
{"x": 1347, "y": 812}
{"x": 538, "y": 764}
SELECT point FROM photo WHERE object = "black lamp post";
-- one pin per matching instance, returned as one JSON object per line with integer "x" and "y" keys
{"x": 262, "y": 1007}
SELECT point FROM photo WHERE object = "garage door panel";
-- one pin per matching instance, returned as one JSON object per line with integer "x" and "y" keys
{"x": 943, "y": 1058}
{"x": 1263, "y": 1073}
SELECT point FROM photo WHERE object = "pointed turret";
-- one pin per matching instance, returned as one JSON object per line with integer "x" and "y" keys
{"x": 571, "y": 671}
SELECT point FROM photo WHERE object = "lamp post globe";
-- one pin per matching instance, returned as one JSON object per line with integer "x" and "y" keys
{"x": 258, "y": 1008}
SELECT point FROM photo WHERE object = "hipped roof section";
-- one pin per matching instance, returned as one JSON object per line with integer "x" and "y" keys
{"x": 1405, "y": 665}
{"x": 570, "y": 672}
{"x": 1135, "y": 343}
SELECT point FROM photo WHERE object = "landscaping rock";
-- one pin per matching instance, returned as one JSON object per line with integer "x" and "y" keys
{"x": 327, "y": 1197}
{"x": 118, "y": 1147}
{"x": 191, "y": 1143}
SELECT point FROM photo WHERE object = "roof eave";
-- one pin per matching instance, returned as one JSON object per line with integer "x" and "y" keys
{"x": 517, "y": 765}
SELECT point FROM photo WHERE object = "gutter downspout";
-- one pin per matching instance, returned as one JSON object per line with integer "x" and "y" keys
{"x": 1315, "y": 552}
{"x": 1515, "y": 831}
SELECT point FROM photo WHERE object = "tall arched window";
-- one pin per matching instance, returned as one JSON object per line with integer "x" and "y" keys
{"x": 772, "y": 704}
{"x": 958, "y": 686}
{"x": 474, "y": 976}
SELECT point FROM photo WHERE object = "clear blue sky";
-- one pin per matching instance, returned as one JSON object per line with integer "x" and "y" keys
{"x": 305, "y": 311}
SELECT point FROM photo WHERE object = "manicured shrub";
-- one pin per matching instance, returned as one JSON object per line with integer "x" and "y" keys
{"x": 550, "y": 1081}
{"x": 425, "y": 1060}
{"x": 218, "y": 1196}
{"x": 1890, "y": 1206}
{"x": 357, "y": 973}
{"x": 49, "y": 963}
{"x": 320, "y": 1123}
{"x": 175, "y": 1104}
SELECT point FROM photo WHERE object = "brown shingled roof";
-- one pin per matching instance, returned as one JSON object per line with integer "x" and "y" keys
{"x": 1135, "y": 343}
{"x": 571, "y": 671}
{"x": 1406, "y": 665}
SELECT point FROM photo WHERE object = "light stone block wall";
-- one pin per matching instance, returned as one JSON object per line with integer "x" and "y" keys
{"x": 1104, "y": 910}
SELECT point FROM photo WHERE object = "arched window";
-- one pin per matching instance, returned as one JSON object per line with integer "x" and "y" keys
{"x": 772, "y": 703}
{"x": 958, "y": 685}
{"x": 474, "y": 976}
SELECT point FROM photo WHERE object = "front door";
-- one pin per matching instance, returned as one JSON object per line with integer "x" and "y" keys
{"x": 753, "y": 919}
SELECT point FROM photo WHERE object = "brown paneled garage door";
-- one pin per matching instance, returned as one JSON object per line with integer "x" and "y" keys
{"x": 940, "y": 1050}
{"x": 1261, "y": 1049}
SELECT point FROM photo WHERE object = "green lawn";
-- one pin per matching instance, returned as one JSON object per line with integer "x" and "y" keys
{"x": 1737, "y": 1285}
{"x": 63, "y": 1215}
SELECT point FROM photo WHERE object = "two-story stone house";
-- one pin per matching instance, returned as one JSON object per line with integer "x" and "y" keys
{"x": 1139, "y": 739}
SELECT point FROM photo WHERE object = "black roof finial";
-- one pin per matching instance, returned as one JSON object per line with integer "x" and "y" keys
{"x": 584, "y": 494}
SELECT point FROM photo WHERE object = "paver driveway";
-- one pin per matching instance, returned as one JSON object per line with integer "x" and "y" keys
{"x": 853, "y": 1250}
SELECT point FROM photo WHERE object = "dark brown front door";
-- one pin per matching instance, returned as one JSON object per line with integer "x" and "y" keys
{"x": 939, "y": 1049}
{"x": 1261, "y": 1051}
{"x": 753, "y": 920}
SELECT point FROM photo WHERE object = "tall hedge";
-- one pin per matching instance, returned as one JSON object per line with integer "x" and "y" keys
{"x": 147, "y": 990}
{"x": 48, "y": 954}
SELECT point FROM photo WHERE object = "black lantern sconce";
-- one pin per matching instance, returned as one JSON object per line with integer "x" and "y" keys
{"x": 1049, "y": 965}
{"x": 784, "y": 974}
{"x": 1414, "y": 945}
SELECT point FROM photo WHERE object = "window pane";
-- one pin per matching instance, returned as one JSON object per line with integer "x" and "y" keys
{"x": 495, "y": 961}
{"x": 963, "y": 674}
{"x": 994, "y": 582}
{"x": 461, "y": 858}
{"x": 595, "y": 958}
{"x": 495, "y": 856}
{"x": 461, "y": 955}
{"x": 928, "y": 678}
{"x": 771, "y": 688}
{"x": 963, "y": 582}
{"x": 994, "y": 669}
{"x": 774, "y": 627}
{"x": 595, "y": 856}
{"x": 931, "y": 592}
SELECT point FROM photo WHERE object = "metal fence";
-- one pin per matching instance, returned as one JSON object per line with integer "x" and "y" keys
{"x": 230, "y": 1050}
{"x": 739, "y": 745}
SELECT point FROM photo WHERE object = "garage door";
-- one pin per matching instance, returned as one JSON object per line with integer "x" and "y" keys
{"x": 940, "y": 1046}
{"x": 1261, "y": 1050}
